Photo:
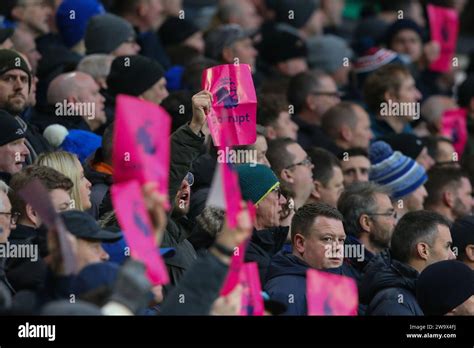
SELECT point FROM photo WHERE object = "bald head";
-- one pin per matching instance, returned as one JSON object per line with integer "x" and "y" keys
{"x": 434, "y": 107}
{"x": 24, "y": 42}
{"x": 68, "y": 87}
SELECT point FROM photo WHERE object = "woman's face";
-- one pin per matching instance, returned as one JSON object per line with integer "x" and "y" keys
{"x": 84, "y": 188}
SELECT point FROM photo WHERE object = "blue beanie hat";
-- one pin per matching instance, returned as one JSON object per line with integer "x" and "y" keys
{"x": 72, "y": 17}
{"x": 399, "y": 25}
{"x": 82, "y": 143}
{"x": 94, "y": 276}
{"x": 256, "y": 181}
{"x": 395, "y": 171}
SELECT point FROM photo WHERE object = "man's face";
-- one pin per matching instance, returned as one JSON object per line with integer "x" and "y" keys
{"x": 361, "y": 134}
{"x": 250, "y": 20}
{"x": 382, "y": 225}
{"x": 331, "y": 192}
{"x": 293, "y": 66}
{"x": 7, "y": 44}
{"x": 61, "y": 200}
{"x": 261, "y": 147}
{"x": 326, "y": 95}
{"x": 90, "y": 93}
{"x": 244, "y": 50}
{"x": 441, "y": 248}
{"x": 445, "y": 152}
{"x": 425, "y": 159}
{"x": 415, "y": 200}
{"x": 13, "y": 156}
{"x": 5, "y": 219}
{"x": 466, "y": 308}
{"x": 269, "y": 209}
{"x": 35, "y": 15}
{"x": 323, "y": 248}
{"x": 27, "y": 46}
{"x": 127, "y": 48}
{"x": 157, "y": 93}
{"x": 408, "y": 42}
{"x": 14, "y": 91}
{"x": 463, "y": 202}
{"x": 196, "y": 41}
{"x": 89, "y": 252}
{"x": 408, "y": 93}
{"x": 285, "y": 127}
{"x": 301, "y": 174}
{"x": 355, "y": 169}
{"x": 151, "y": 13}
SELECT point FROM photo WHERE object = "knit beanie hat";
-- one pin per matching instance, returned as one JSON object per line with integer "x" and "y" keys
{"x": 399, "y": 25}
{"x": 6, "y": 33}
{"x": 104, "y": 33}
{"x": 72, "y": 17}
{"x": 80, "y": 142}
{"x": 10, "y": 129}
{"x": 327, "y": 52}
{"x": 256, "y": 181}
{"x": 222, "y": 37}
{"x": 133, "y": 75}
{"x": 175, "y": 30}
{"x": 282, "y": 43}
{"x": 302, "y": 10}
{"x": 10, "y": 60}
{"x": 443, "y": 286}
{"x": 395, "y": 171}
{"x": 408, "y": 144}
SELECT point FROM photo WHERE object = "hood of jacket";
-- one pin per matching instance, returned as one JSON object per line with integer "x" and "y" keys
{"x": 284, "y": 264}
{"x": 384, "y": 272}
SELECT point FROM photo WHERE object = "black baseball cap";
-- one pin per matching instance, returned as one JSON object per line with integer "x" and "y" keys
{"x": 82, "y": 225}
{"x": 5, "y": 33}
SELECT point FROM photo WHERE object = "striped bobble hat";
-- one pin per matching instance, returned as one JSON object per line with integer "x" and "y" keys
{"x": 395, "y": 171}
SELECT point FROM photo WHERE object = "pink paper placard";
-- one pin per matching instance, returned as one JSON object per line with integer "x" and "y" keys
{"x": 252, "y": 300}
{"x": 330, "y": 294}
{"x": 444, "y": 28}
{"x": 141, "y": 149}
{"x": 38, "y": 197}
{"x": 234, "y": 103}
{"x": 137, "y": 228}
{"x": 454, "y": 126}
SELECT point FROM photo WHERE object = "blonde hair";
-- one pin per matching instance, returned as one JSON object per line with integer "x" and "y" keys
{"x": 65, "y": 163}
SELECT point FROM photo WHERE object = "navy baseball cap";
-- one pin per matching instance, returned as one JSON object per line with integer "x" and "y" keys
{"x": 82, "y": 225}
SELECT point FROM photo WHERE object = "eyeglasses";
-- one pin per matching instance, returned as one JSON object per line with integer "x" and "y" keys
{"x": 189, "y": 178}
{"x": 335, "y": 94}
{"x": 13, "y": 217}
{"x": 306, "y": 162}
{"x": 389, "y": 213}
{"x": 277, "y": 190}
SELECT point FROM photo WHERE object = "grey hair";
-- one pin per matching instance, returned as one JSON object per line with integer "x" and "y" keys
{"x": 211, "y": 220}
{"x": 358, "y": 199}
{"x": 96, "y": 65}
{"x": 5, "y": 189}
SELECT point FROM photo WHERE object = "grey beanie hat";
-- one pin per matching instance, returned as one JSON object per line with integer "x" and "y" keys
{"x": 104, "y": 33}
{"x": 327, "y": 52}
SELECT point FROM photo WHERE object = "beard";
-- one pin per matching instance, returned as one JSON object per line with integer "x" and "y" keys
{"x": 459, "y": 209}
{"x": 380, "y": 238}
{"x": 14, "y": 108}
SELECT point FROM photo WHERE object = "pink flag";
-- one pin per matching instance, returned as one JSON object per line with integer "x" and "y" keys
{"x": 444, "y": 28}
{"x": 234, "y": 103}
{"x": 141, "y": 142}
{"x": 454, "y": 126}
{"x": 38, "y": 197}
{"x": 252, "y": 301}
{"x": 137, "y": 228}
{"x": 330, "y": 294}
{"x": 233, "y": 276}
